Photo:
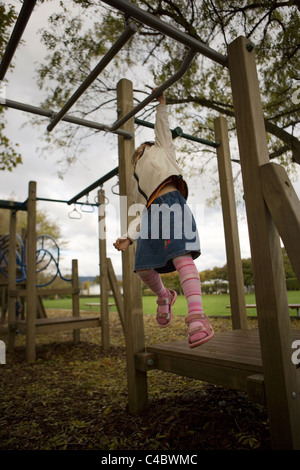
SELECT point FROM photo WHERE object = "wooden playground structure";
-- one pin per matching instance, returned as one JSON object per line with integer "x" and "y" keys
{"x": 256, "y": 362}
{"x": 35, "y": 321}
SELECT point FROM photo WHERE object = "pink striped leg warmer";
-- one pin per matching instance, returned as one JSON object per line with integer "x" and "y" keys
{"x": 191, "y": 286}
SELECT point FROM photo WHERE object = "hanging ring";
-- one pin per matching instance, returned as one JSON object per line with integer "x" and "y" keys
{"x": 112, "y": 189}
{"x": 88, "y": 207}
{"x": 74, "y": 214}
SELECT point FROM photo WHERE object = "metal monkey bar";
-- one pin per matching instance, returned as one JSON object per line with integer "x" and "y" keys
{"x": 130, "y": 30}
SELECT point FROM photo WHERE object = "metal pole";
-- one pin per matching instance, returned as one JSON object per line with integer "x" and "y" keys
{"x": 178, "y": 132}
{"x": 66, "y": 202}
{"x": 16, "y": 35}
{"x": 174, "y": 78}
{"x": 49, "y": 113}
{"x": 165, "y": 28}
{"x": 95, "y": 185}
{"x": 130, "y": 30}
{"x": 13, "y": 205}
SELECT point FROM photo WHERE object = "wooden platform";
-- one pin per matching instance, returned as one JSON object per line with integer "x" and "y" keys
{"x": 231, "y": 359}
{"x": 49, "y": 325}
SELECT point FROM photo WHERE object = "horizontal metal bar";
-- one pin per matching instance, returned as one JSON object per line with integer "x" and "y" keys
{"x": 130, "y": 30}
{"x": 74, "y": 120}
{"x": 95, "y": 185}
{"x": 200, "y": 140}
{"x": 178, "y": 132}
{"x": 13, "y": 205}
{"x": 174, "y": 78}
{"x": 22, "y": 20}
{"x": 167, "y": 29}
{"x": 66, "y": 202}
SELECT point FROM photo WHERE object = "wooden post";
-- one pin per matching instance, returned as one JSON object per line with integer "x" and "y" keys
{"x": 103, "y": 273}
{"x": 116, "y": 291}
{"x": 75, "y": 298}
{"x": 234, "y": 262}
{"x": 12, "y": 282}
{"x": 3, "y": 303}
{"x": 31, "y": 273}
{"x": 280, "y": 374}
{"x": 132, "y": 293}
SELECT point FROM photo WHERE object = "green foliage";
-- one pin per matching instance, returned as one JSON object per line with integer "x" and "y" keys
{"x": 150, "y": 58}
{"x": 292, "y": 284}
{"x": 9, "y": 157}
{"x": 44, "y": 225}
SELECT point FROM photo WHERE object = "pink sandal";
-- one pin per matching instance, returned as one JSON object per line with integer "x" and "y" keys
{"x": 206, "y": 328}
{"x": 161, "y": 314}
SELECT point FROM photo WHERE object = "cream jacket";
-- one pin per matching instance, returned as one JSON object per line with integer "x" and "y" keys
{"x": 156, "y": 165}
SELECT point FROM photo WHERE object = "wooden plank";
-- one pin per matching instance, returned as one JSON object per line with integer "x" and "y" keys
{"x": 97, "y": 304}
{"x": 116, "y": 292}
{"x": 132, "y": 292}
{"x": 284, "y": 206}
{"x": 49, "y": 325}
{"x": 232, "y": 378}
{"x": 280, "y": 375}
{"x": 31, "y": 274}
{"x": 45, "y": 292}
{"x": 233, "y": 252}
{"x": 231, "y": 359}
{"x": 240, "y": 351}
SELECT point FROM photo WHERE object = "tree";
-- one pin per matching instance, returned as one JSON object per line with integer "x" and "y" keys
{"x": 44, "y": 225}
{"x": 204, "y": 92}
{"x": 9, "y": 157}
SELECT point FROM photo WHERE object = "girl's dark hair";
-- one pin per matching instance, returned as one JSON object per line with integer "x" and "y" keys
{"x": 134, "y": 156}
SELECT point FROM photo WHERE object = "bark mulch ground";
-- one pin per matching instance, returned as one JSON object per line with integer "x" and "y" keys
{"x": 74, "y": 397}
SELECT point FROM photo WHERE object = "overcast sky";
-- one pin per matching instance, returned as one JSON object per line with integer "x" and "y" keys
{"x": 99, "y": 158}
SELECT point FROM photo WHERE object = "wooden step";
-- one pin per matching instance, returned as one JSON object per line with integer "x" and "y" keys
{"x": 231, "y": 359}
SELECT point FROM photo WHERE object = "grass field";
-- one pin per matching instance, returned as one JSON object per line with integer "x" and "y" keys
{"x": 212, "y": 304}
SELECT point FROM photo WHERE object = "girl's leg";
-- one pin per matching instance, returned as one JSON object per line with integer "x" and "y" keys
{"x": 199, "y": 326}
{"x": 165, "y": 297}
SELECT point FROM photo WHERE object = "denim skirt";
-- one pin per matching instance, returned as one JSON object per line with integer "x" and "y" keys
{"x": 168, "y": 229}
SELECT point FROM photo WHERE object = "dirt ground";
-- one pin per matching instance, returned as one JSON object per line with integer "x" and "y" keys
{"x": 74, "y": 397}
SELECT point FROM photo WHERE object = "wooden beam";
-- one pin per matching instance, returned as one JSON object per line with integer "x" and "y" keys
{"x": 103, "y": 272}
{"x": 31, "y": 273}
{"x": 280, "y": 374}
{"x": 132, "y": 293}
{"x": 46, "y": 291}
{"x": 116, "y": 292}
{"x": 41, "y": 312}
{"x": 234, "y": 261}
{"x": 12, "y": 282}
{"x": 51, "y": 325}
{"x": 284, "y": 206}
{"x": 75, "y": 298}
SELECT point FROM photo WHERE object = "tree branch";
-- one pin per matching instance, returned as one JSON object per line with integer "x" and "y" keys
{"x": 289, "y": 140}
